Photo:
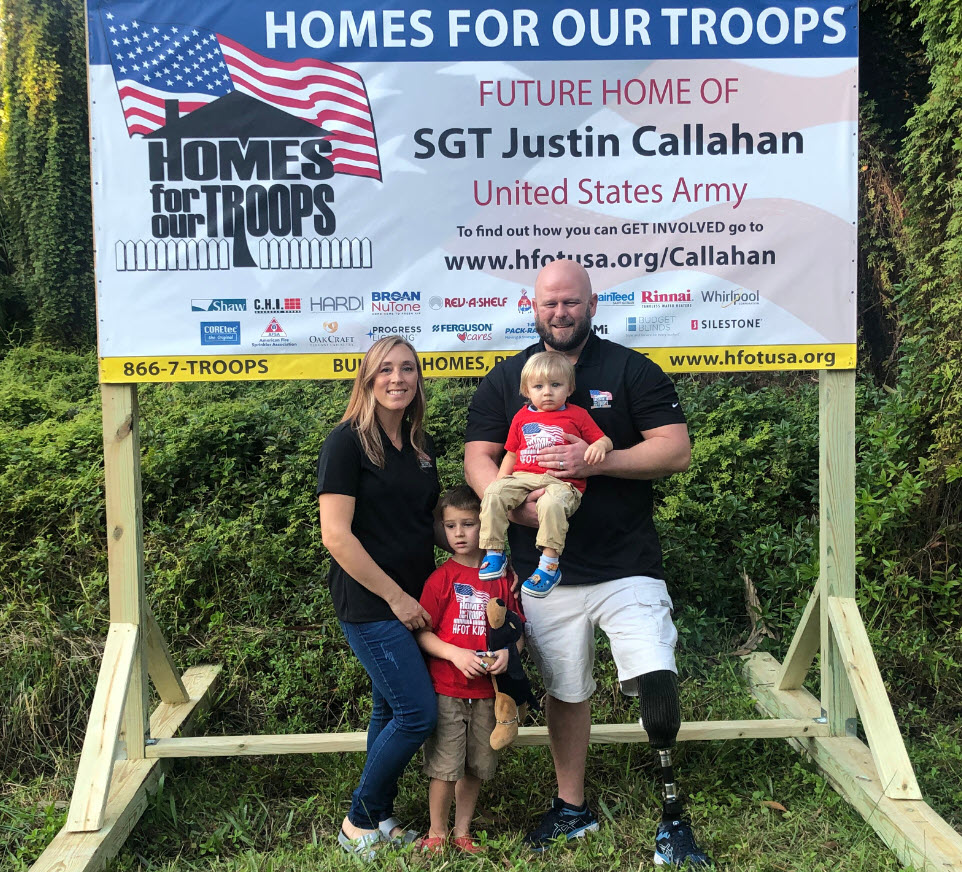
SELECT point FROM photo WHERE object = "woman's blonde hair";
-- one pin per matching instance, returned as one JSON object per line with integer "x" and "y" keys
{"x": 546, "y": 365}
{"x": 362, "y": 406}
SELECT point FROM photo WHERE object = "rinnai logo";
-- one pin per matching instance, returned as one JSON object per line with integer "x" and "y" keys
{"x": 662, "y": 299}
{"x": 524, "y": 303}
{"x": 282, "y": 305}
{"x": 218, "y": 304}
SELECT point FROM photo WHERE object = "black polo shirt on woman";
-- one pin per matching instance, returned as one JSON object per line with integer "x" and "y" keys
{"x": 393, "y": 516}
{"x": 612, "y": 534}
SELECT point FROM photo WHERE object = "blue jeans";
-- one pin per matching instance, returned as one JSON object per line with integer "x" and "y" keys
{"x": 404, "y": 715}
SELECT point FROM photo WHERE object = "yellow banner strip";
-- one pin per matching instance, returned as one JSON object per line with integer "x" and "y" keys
{"x": 275, "y": 367}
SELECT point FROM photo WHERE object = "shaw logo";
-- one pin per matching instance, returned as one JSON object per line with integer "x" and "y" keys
{"x": 285, "y": 305}
{"x": 220, "y": 332}
{"x": 524, "y": 304}
{"x": 219, "y": 304}
{"x": 337, "y": 304}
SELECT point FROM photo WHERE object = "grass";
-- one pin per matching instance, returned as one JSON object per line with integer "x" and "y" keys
{"x": 282, "y": 813}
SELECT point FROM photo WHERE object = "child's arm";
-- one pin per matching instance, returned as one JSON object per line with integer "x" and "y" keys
{"x": 507, "y": 465}
{"x": 468, "y": 662}
{"x": 596, "y": 451}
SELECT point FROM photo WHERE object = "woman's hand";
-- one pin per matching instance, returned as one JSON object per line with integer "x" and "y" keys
{"x": 468, "y": 662}
{"x": 500, "y": 662}
{"x": 410, "y": 612}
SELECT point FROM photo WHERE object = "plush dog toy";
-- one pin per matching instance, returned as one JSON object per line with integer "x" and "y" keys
{"x": 511, "y": 688}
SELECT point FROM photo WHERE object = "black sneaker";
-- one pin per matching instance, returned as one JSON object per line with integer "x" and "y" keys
{"x": 675, "y": 846}
{"x": 559, "y": 822}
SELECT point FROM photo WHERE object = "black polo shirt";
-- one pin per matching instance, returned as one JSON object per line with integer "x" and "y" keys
{"x": 612, "y": 534}
{"x": 393, "y": 516}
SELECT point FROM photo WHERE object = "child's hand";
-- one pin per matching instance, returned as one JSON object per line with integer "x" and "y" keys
{"x": 469, "y": 663}
{"x": 595, "y": 453}
{"x": 500, "y": 662}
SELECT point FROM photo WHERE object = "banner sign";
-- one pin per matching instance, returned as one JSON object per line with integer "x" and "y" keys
{"x": 275, "y": 188}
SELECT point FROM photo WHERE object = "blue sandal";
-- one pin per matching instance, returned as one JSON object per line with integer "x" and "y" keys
{"x": 541, "y": 582}
{"x": 492, "y": 567}
{"x": 364, "y": 848}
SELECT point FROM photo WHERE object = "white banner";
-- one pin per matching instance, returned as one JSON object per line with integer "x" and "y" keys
{"x": 276, "y": 189}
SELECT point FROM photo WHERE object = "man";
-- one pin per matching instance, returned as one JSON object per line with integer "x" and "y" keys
{"x": 612, "y": 560}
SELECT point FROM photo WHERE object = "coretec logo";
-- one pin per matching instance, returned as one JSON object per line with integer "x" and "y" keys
{"x": 218, "y": 304}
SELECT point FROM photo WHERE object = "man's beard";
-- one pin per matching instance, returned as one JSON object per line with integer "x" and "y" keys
{"x": 580, "y": 333}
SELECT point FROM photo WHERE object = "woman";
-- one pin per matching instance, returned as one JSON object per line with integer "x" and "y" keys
{"x": 377, "y": 486}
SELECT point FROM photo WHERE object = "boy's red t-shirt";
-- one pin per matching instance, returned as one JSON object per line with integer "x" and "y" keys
{"x": 456, "y": 600}
{"x": 532, "y": 430}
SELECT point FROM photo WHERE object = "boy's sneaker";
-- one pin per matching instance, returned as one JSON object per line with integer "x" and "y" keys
{"x": 675, "y": 846}
{"x": 561, "y": 822}
{"x": 492, "y": 566}
{"x": 541, "y": 582}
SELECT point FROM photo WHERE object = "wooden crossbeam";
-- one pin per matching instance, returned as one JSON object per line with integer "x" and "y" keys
{"x": 804, "y": 645}
{"x": 160, "y": 665}
{"x": 103, "y": 730}
{"x": 871, "y": 697}
{"x": 324, "y": 743}
{"x": 910, "y": 827}
{"x": 131, "y": 782}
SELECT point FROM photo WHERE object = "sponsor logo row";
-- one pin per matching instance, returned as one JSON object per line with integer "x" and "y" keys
{"x": 410, "y": 302}
{"x": 222, "y": 333}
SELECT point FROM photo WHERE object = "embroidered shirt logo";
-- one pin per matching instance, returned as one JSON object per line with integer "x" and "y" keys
{"x": 600, "y": 399}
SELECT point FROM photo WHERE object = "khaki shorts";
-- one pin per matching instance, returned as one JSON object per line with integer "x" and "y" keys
{"x": 633, "y": 612}
{"x": 462, "y": 741}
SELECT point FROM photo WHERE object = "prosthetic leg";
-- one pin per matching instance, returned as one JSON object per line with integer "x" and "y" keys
{"x": 661, "y": 718}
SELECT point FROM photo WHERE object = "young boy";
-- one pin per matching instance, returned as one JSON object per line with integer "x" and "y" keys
{"x": 547, "y": 380}
{"x": 458, "y": 757}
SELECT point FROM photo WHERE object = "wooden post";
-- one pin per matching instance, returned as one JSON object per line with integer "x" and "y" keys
{"x": 125, "y": 543}
{"x": 836, "y": 485}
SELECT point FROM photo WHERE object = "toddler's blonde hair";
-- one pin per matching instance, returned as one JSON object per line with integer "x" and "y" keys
{"x": 547, "y": 365}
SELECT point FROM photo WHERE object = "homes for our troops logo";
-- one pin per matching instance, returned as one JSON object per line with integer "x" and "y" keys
{"x": 240, "y": 149}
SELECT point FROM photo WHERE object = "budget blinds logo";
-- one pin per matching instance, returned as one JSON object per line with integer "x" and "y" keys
{"x": 263, "y": 136}
{"x": 220, "y": 333}
{"x": 651, "y": 325}
{"x": 220, "y": 304}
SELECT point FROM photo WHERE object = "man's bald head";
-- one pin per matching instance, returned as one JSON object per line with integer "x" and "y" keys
{"x": 563, "y": 306}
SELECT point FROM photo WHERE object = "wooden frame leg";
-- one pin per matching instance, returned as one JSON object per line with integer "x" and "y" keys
{"x": 103, "y": 730}
{"x": 160, "y": 665}
{"x": 881, "y": 729}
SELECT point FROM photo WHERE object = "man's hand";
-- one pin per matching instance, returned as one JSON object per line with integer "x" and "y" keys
{"x": 527, "y": 513}
{"x": 500, "y": 662}
{"x": 566, "y": 461}
{"x": 468, "y": 662}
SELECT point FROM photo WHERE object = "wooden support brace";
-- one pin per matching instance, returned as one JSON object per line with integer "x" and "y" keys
{"x": 103, "y": 730}
{"x": 878, "y": 719}
{"x": 804, "y": 646}
{"x": 132, "y": 780}
{"x": 911, "y": 828}
{"x": 323, "y": 743}
{"x": 160, "y": 665}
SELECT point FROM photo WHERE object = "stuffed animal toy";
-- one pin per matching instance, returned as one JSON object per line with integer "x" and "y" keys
{"x": 511, "y": 688}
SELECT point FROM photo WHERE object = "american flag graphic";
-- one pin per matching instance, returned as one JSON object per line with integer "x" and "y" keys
{"x": 154, "y": 62}
{"x": 538, "y": 436}
{"x": 464, "y": 593}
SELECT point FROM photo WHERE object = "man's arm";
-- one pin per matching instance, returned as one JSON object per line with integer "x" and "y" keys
{"x": 665, "y": 450}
